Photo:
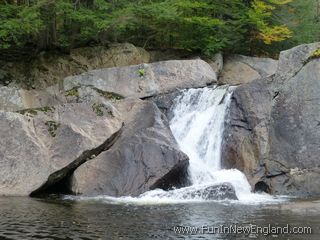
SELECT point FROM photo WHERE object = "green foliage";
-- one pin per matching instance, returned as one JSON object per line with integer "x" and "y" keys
{"x": 141, "y": 72}
{"x": 315, "y": 55}
{"x": 18, "y": 24}
{"x": 260, "y": 15}
{"x": 205, "y": 26}
{"x": 72, "y": 93}
{"x": 303, "y": 19}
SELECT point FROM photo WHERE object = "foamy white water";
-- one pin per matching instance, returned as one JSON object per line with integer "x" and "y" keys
{"x": 198, "y": 125}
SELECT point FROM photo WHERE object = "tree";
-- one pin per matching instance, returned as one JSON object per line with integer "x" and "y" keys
{"x": 260, "y": 16}
{"x": 205, "y": 26}
{"x": 303, "y": 19}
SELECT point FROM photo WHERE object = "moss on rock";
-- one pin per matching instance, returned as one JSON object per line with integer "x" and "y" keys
{"x": 97, "y": 109}
{"x": 72, "y": 93}
{"x": 52, "y": 127}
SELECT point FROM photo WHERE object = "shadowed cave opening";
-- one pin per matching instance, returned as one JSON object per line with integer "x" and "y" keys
{"x": 261, "y": 186}
{"x": 57, "y": 188}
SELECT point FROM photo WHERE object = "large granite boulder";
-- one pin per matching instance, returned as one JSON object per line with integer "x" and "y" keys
{"x": 272, "y": 133}
{"x": 146, "y": 80}
{"x": 295, "y": 130}
{"x": 239, "y": 69}
{"x": 245, "y": 139}
{"x": 145, "y": 157}
{"x": 39, "y": 147}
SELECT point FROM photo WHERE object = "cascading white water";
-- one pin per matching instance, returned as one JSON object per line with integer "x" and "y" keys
{"x": 198, "y": 124}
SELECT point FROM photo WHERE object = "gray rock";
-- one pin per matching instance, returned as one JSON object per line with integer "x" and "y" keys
{"x": 246, "y": 141}
{"x": 295, "y": 132}
{"x": 117, "y": 55}
{"x": 146, "y": 80}
{"x": 10, "y": 99}
{"x": 216, "y": 62}
{"x": 264, "y": 66}
{"x": 240, "y": 69}
{"x": 292, "y": 60}
{"x": 145, "y": 157}
{"x": 165, "y": 102}
{"x": 221, "y": 191}
{"x": 217, "y": 192}
{"x": 106, "y": 85}
{"x": 273, "y": 134}
{"x": 13, "y": 99}
{"x": 36, "y": 146}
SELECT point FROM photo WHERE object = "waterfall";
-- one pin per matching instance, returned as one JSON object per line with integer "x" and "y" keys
{"x": 197, "y": 124}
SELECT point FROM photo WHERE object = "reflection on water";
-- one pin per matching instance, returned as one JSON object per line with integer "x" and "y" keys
{"x": 25, "y": 218}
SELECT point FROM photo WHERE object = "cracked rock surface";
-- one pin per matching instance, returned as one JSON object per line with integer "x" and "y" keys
{"x": 40, "y": 147}
{"x": 35, "y": 144}
{"x": 273, "y": 132}
{"x": 146, "y": 156}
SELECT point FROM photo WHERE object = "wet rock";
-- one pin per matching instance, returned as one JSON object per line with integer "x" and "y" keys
{"x": 216, "y": 192}
{"x": 221, "y": 191}
{"x": 165, "y": 102}
{"x": 246, "y": 134}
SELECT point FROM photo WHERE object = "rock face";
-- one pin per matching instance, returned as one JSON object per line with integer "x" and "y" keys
{"x": 273, "y": 133}
{"x": 246, "y": 132}
{"x": 240, "y": 69}
{"x": 36, "y": 146}
{"x": 13, "y": 99}
{"x": 295, "y": 132}
{"x": 138, "y": 81}
{"x": 146, "y": 80}
{"x": 145, "y": 157}
{"x": 42, "y": 147}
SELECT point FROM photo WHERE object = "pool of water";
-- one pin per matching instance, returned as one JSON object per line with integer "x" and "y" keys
{"x": 27, "y": 218}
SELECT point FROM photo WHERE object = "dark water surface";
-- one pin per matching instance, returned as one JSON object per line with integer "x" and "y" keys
{"x": 26, "y": 218}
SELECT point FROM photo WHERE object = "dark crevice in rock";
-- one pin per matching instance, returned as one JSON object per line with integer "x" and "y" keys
{"x": 261, "y": 186}
{"x": 178, "y": 177}
{"x": 241, "y": 126}
{"x": 276, "y": 94}
{"x": 275, "y": 175}
{"x": 57, "y": 181}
